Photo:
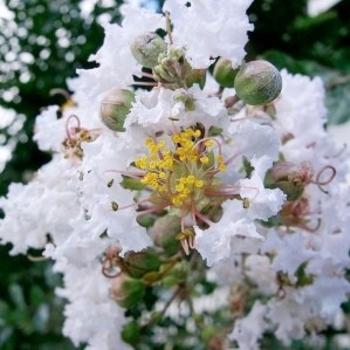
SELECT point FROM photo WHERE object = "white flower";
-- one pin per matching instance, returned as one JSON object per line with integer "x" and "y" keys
{"x": 49, "y": 130}
{"x": 42, "y": 207}
{"x": 290, "y": 252}
{"x": 214, "y": 244}
{"x": 111, "y": 205}
{"x": 258, "y": 270}
{"x": 224, "y": 29}
{"x": 92, "y": 317}
{"x": 185, "y": 155}
{"x": 248, "y": 330}
{"x": 116, "y": 62}
{"x": 300, "y": 116}
{"x": 263, "y": 203}
{"x": 163, "y": 109}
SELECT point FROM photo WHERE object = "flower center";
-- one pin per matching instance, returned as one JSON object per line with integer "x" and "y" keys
{"x": 180, "y": 170}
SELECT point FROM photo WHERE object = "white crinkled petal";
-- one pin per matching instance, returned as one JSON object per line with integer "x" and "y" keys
{"x": 44, "y": 206}
{"x": 258, "y": 270}
{"x": 162, "y": 109}
{"x": 325, "y": 295}
{"x": 97, "y": 197}
{"x": 263, "y": 203}
{"x": 214, "y": 244}
{"x": 116, "y": 62}
{"x": 92, "y": 317}
{"x": 248, "y": 330}
{"x": 152, "y": 109}
{"x": 49, "y": 130}
{"x": 300, "y": 109}
{"x": 288, "y": 317}
{"x": 252, "y": 139}
{"x": 289, "y": 250}
{"x": 224, "y": 29}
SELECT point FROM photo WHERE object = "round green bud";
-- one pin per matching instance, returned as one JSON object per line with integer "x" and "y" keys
{"x": 258, "y": 82}
{"x": 164, "y": 233}
{"x": 224, "y": 73}
{"x": 114, "y": 108}
{"x": 127, "y": 291}
{"x": 131, "y": 333}
{"x": 284, "y": 175}
{"x": 138, "y": 264}
{"x": 146, "y": 48}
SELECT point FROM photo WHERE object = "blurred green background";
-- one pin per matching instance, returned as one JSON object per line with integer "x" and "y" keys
{"x": 42, "y": 43}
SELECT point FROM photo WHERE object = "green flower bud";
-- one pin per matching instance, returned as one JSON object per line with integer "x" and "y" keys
{"x": 164, "y": 233}
{"x": 258, "y": 82}
{"x": 114, "y": 108}
{"x": 292, "y": 190}
{"x": 146, "y": 48}
{"x": 138, "y": 264}
{"x": 284, "y": 175}
{"x": 224, "y": 73}
{"x": 196, "y": 76}
{"x": 131, "y": 333}
{"x": 127, "y": 291}
{"x": 173, "y": 69}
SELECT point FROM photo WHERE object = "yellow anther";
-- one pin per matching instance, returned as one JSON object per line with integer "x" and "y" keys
{"x": 204, "y": 160}
{"x": 197, "y": 133}
{"x": 209, "y": 143}
{"x": 187, "y": 144}
{"x": 181, "y": 150}
{"x": 220, "y": 158}
{"x": 222, "y": 167}
{"x": 154, "y": 148}
{"x": 149, "y": 142}
{"x": 141, "y": 163}
{"x": 199, "y": 183}
{"x": 166, "y": 163}
{"x": 180, "y": 187}
{"x": 190, "y": 179}
{"x": 176, "y": 138}
{"x": 162, "y": 175}
{"x": 153, "y": 164}
{"x": 161, "y": 144}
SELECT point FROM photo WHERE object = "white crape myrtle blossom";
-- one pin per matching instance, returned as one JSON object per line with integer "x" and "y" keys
{"x": 91, "y": 315}
{"x": 192, "y": 189}
{"x": 116, "y": 63}
{"x": 312, "y": 258}
{"x": 45, "y": 205}
{"x": 222, "y": 23}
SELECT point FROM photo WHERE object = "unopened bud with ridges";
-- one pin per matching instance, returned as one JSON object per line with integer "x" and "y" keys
{"x": 138, "y": 264}
{"x": 146, "y": 48}
{"x": 164, "y": 233}
{"x": 114, "y": 108}
{"x": 258, "y": 82}
{"x": 283, "y": 176}
{"x": 127, "y": 291}
{"x": 224, "y": 73}
{"x": 173, "y": 70}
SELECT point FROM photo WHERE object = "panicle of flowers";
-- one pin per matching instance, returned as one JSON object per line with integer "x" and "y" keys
{"x": 170, "y": 184}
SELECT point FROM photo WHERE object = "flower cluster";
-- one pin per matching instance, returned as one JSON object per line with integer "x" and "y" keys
{"x": 169, "y": 185}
